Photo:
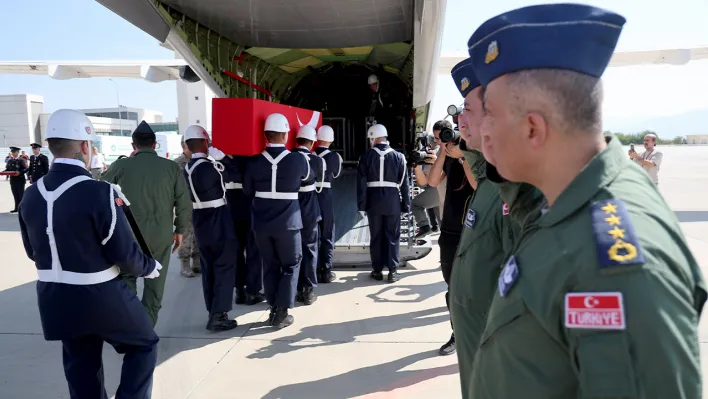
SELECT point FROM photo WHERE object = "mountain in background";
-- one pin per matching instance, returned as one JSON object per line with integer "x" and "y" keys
{"x": 667, "y": 127}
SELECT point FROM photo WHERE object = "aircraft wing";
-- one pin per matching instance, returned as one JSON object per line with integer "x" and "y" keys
{"x": 152, "y": 71}
{"x": 619, "y": 59}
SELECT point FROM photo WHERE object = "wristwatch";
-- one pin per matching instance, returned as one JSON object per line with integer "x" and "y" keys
{"x": 462, "y": 160}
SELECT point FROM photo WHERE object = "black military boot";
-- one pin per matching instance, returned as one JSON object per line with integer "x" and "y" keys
{"x": 308, "y": 296}
{"x": 282, "y": 319}
{"x": 253, "y": 299}
{"x": 378, "y": 276}
{"x": 449, "y": 348}
{"x": 393, "y": 276}
{"x": 241, "y": 296}
{"x": 271, "y": 315}
{"x": 300, "y": 296}
{"x": 220, "y": 322}
{"x": 326, "y": 276}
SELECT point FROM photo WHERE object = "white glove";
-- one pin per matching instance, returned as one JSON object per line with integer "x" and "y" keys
{"x": 156, "y": 271}
{"x": 216, "y": 153}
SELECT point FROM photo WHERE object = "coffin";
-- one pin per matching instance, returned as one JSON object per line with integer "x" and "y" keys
{"x": 237, "y": 123}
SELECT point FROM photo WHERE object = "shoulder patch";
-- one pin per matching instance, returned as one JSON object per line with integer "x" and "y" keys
{"x": 119, "y": 201}
{"x": 615, "y": 239}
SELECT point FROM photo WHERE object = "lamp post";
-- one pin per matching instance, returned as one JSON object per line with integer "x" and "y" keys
{"x": 120, "y": 119}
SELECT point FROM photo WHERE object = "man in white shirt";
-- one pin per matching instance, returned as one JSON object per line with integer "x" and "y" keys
{"x": 98, "y": 163}
{"x": 650, "y": 159}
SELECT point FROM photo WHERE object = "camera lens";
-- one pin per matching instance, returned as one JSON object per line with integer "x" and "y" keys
{"x": 449, "y": 135}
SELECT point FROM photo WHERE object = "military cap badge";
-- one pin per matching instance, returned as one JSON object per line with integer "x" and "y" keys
{"x": 492, "y": 52}
{"x": 464, "y": 84}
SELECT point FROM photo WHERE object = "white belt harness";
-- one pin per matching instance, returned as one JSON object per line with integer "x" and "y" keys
{"x": 233, "y": 186}
{"x": 382, "y": 182}
{"x": 273, "y": 193}
{"x": 339, "y": 172}
{"x": 206, "y": 204}
{"x": 57, "y": 274}
{"x": 313, "y": 186}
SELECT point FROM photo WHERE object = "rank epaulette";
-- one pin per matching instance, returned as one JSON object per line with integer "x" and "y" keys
{"x": 615, "y": 239}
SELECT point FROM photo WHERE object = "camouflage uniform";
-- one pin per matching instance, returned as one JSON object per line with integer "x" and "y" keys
{"x": 189, "y": 249}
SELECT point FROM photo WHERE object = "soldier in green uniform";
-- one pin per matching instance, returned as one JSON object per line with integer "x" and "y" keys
{"x": 188, "y": 253}
{"x": 489, "y": 226}
{"x": 600, "y": 296}
{"x": 160, "y": 202}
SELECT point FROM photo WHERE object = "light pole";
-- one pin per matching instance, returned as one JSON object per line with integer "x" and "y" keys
{"x": 120, "y": 119}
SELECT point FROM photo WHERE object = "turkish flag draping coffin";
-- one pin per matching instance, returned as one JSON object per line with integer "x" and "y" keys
{"x": 237, "y": 123}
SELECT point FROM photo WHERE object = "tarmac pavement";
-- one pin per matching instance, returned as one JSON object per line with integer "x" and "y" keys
{"x": 361, "y": 339}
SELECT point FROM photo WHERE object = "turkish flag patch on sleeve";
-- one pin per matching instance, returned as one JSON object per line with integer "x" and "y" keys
{"x": 595, "y": 310}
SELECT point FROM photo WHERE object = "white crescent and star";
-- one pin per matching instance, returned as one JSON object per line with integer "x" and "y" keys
{"x": 591, "y": 302}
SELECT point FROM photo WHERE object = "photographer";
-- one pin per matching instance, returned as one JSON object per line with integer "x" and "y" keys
{"x": 428, "y": 200}
{"x": 460, "y": 186}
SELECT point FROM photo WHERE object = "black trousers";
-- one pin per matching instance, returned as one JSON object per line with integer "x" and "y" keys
{"x": 17, "y": 185}
{"x": 448, "y": 243}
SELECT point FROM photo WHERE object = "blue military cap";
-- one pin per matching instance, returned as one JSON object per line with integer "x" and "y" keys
{"x": 573, "y": 37}
{"x": 464, "y": 77}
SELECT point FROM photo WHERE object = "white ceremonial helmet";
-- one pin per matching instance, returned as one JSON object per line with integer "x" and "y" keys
{"x": 373, "y": 79}
{"x": 325, "y": 133}
{"x": 195, "y": 132}
{"x": 277, "y": 123}
{"x": 377, "y": 131}
{"x": 307, "y": 132}
{"x": 71, "y": 125}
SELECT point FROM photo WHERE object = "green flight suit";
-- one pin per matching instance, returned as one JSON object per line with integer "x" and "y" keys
{"x": 158, "y": 197}
{"x": 487, "y": 235}
{"x": 628, "y": 328}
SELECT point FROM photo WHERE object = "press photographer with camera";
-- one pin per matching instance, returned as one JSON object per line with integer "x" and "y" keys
{"x": 426, "y": 205}
{"x": 460, "y": 185}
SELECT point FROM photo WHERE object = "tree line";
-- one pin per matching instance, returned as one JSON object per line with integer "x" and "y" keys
{"x": 638, "y": 138}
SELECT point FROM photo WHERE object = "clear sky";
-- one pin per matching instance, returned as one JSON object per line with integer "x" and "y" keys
{"x": 44, "y": 30}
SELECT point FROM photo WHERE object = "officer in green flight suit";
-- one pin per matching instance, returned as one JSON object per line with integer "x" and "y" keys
{"x": 158, "y": 196}
{"x": 600, "y": 296}
{"x": 488, "y": 229}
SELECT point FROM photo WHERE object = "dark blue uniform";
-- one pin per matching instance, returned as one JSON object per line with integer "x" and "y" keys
{"x": 249, "y": 267}
{"x": 213, "y": 231}
{"x": 78, "y": 252}
{"x": 311, "y": 216}
{"x": 334, "y": 169}
{"x": 17, "y": 183}
{"x": 383, "y": 193}
{"x": 38, "y": 167}
{"x": 274, "y": 179}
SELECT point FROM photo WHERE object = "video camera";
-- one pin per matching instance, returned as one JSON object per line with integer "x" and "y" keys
{"x": 452, "y": 135}
{"x": 423, "y": 143}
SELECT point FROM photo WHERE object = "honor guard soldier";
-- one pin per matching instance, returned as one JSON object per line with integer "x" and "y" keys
{"x": 17, "y": 165}
{"x": 75, "y": 230}
{"x": 274, "y": 179}
{"x": 383, "y": 193}
{"x": 600, "y": 296}
{"x": 38, "y": 164}
{"x": 213, "y": 229}
{"x": 325, "y": 138}
{"x": 311, "y": 215}
{"x": 249, "y": 266}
